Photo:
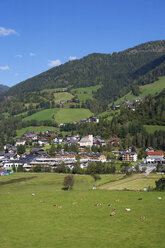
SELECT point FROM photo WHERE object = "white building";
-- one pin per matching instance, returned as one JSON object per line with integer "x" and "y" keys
{"x": 86, "y": 141}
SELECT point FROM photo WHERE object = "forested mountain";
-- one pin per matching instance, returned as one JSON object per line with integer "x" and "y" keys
{"x": 3, "y": 88}
{"x": 117, "y": 72}
{"x": 108, "y": 77}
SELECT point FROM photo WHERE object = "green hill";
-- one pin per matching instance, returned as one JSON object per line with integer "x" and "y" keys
{"x": 117, "y": 72}
{"x": 60, "y": 115}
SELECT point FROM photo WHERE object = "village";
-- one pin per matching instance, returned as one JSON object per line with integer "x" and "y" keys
{"x": 69, "y": 150}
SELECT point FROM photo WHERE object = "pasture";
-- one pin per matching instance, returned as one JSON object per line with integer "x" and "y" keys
{"x": 148, "y": 89}
{"x": 37, "y": 222}
{"x": 86, "y": 93}
{"x": 152, "y": 128}
{"x": 62, "y": 96}
{"x": 61, "y": 115}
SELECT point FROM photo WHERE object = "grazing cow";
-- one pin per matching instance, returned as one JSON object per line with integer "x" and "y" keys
{"x": 74, "y": 203}
{"x": 33, "y": 194}
{"x": 59, "y": 207}
{"x": 143, "y": 218}
{"x": 116, "y": 200}
{"x": 159, "y": 198}
{"x": 112, "y": 213}
{"x": 140, "y": 199}
{"x": 97, "y": 204}
{"x": 114, "y": 209}
{"x": 42, "y": 201}
{"x": 109, "y": 205}
{"x": 82, "y": 198}
{"x": 128, "y": 209}
{"x": 54, "y": 205}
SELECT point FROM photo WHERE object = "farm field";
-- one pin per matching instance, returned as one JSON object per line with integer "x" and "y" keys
{"x": 84, "y": 94}
{"x": 68, "y": 115}
{"x": 152, "y": 128}
{"x": 148, "y": 89}
{"x": 61, "y": 115}
{"x": 133, "y": 182}
{"x": 32, "y": 221}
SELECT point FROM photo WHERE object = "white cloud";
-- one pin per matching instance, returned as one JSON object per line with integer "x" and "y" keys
{"x": 72, "y": 57}
{"x": 53, "y": 63}
{"x": 18, "y": 56}
{"x": 6, "y": 32}
{"x": 4, "y": 68}
{"x": 32, "y": 54}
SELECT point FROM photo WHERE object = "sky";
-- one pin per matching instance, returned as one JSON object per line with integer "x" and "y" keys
{"x": 36, "y": 35}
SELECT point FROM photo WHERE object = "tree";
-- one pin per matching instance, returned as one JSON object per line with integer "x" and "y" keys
{"x": 21, "y": 149}
{"x": 160, "y": 184}
{"x": 68, "y": 182}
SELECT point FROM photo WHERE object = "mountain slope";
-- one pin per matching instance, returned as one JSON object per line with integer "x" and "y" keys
{"x": 116, "y": 72}
{"x": 3, "y": 88}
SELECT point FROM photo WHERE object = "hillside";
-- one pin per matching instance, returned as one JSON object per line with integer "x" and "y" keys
{"x": 116, "y": 72}
{"x": 3, "y": 88}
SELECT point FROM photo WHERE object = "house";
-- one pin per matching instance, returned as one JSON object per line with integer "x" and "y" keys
{"x": 62, "y": 101}
{"x": 129, "y": 156}
{"x": 38, "y": 151}
{"x": 20, "y": 142}
{"x": 86, "y": 141}
{"x": 150, "y": 149}
{"x": 115, "y": 107}
{"x": 2, "y": 155}
{"x": 97, "y": 141}
{"x": 58, "y": 140}
{"x": 114, "y": 140}
{"x": 93, "y": 119}
{"x": 43, "y": 142}
{"x": 155, "y": 157}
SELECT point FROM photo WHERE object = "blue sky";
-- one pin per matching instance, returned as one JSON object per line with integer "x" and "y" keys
{"x": 36, "y": 35}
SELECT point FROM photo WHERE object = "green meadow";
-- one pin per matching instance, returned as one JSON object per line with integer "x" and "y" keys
{"x": 37, "y": 222}
{"x": 84, "y": 94}
{"x": 62, "y": 96}
{"x": 148, "y": 89}
{"x": 152, "y": 128}
{"x": 60, "y": 115}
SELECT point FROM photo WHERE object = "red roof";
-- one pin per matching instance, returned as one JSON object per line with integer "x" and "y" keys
{"x": 156, "y": 153}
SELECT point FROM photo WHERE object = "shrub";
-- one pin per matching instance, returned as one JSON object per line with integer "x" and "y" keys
{"x": 160, "y": 184}
{"x": 68, "y": 182}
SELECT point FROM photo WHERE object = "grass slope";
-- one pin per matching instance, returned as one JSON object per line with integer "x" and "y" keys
{"x": 60, "y": 115}
{"x": 152, "y": 128}
{"x": 62, "y": 96}
{"x": 26, "y": 222}
{"x": 84, "y": 94}
{"x": 133, "y": 182}
{"x": 148, "y": 89}
{"x": 68, "y": 115}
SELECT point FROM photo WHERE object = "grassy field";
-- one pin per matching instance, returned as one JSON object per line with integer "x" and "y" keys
{"x": 152, "y": 128}
{"x": 68, "y": 115}
{"x": 62, "y": 96}
{"x": 61, "y": 115}
{"x": 28, "y": 222}
{"x": 148, "y": 89}
{"x": 46, "y": 114}
{"x": 85, "y": 93}
{"x": 133, "y": 182}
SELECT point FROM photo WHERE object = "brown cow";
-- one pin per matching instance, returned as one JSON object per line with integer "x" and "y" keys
{"x": 112, "y": 213}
